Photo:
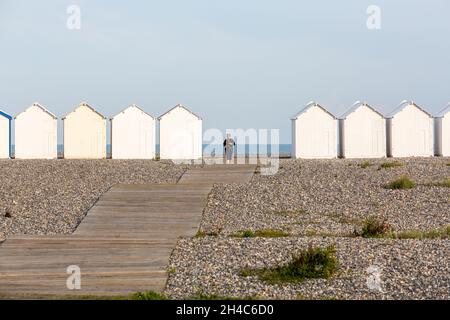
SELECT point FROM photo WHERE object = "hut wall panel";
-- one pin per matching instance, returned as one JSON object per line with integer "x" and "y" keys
{"x": 412, "y": 133}
{"x": 315, "y": 135}
{"x": 35, "y": 135}
{"x": 364, "y": 134}
{"x": 180, "y": 135}
{"x": 133, "y": 135}
{"x": 84, "y": 135}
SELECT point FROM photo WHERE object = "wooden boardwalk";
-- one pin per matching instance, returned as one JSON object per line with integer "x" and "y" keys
{"x": 124, "y": 243}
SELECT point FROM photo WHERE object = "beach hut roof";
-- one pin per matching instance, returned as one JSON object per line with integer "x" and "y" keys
{"x": 133, "y": 106}
{"x": 403, "y": 105}
{"x": 444, "y": 111}
{"x": 84, "y": 104}
{"x": 178, "y": 106}
{"x": 7, "y": 116}
{"x": 358, "y": 104}
{"x": 36, "y": 104}
{"x": 309, "y": 105}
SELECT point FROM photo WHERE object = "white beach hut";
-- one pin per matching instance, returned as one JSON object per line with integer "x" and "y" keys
{"x": 362, "y": 132}
{"x": 442, "y": 132}
{"x": 180, "y": 134}
{"x": 314, "y": 133}
{"x": 36, "y": 133}
{"x": 133, "y": 134}
{"x": 84, "y": 134}
{"x": 5, "y": 135}
{"x": 409, "y": 130}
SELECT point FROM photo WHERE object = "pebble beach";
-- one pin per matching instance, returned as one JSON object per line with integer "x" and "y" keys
{"x": 314, "y": 202}
{"x": 408, "y": 269}
{"x": 45, "y": 197}
{"x": 322, "y": 203}
{"x": 331, "y": 197}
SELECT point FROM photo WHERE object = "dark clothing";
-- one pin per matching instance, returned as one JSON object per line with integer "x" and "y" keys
{"x": 229, "y": 144}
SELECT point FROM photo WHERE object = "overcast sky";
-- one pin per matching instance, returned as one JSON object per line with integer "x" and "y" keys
{"x": 238, "y": 64}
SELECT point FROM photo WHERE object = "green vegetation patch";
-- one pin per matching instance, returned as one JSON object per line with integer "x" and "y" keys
{"x": 265, "y": 233}
{"x": 365, "y": 164}
{"x": 444, "y": 183}
{"x": 172, "y": 270}
{"x": 202, "y": 234}
{"x": 401, "y": 183}
{"x": 374, "y": 228}
{"x": 312, "y": 263}
{"x": 391, "y": 164}
{"x": 415, "y": 234}
{"x": 148, "y": 295}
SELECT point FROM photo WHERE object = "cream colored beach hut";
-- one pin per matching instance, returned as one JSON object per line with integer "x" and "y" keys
{"x": 180, "y": 134}
{"x": 36, "y": 133}
{"x": 5, "y": 135}
{"x": 133, "y": 134}
{"x": 362, "y": 132}
{"x": 409, "y": 130}
{"x": 84, "y": 134}
{"x": 442, "y": 132}
{"x": 314, "y": 133}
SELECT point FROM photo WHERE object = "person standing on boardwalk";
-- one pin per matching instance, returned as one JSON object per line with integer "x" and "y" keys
{"x": 229, "y": 144}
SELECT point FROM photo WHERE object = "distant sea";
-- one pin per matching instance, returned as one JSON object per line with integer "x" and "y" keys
{"x": 249, "y": 149}
{"x": 209, "y": 150}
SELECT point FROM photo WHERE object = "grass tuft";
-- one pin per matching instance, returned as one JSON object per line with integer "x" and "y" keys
{"x": 391, "y": 164}
{"x": 202, "y": 234}
{"x": 365, "y": 164}
{"x": 312, "y": 263}
{"x": 415, "y": 234}
{"x": 402, "y": 183}
{"x": 311, "y": 233}
{"x": 172, "y": 270}
{"x": 374, "y": 228}
{"x": 444, "y": 183}
{"x": 243, "y": 234}
{"x": 148, "y": 295}
{"x": 265, "y": 233}
{"x": 270, "y": 233}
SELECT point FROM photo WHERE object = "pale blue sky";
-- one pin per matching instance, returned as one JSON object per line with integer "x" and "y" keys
{"x": 238, "y": 64}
